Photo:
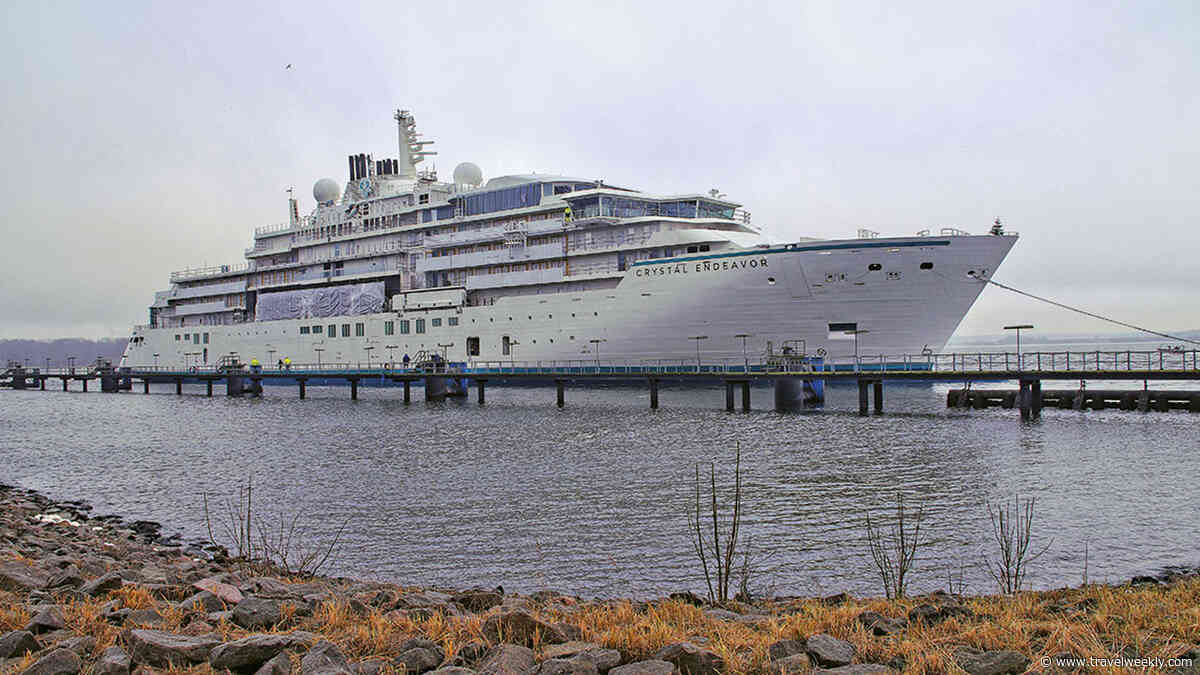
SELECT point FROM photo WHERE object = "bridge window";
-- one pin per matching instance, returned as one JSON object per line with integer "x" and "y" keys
{"x": 420, "y": 325}
{"x": 404, "y": 326}
{"x": 389, "y": 327}
{"x": 332, "y": 330}
{"x": 317, "y": 330}
{"x": 452, "y": 321}
{"x": 359, "y": 330}
{"x": 345, "y": 330}
{"x": 434, "y": 323}
{"x": 304, "y": 330}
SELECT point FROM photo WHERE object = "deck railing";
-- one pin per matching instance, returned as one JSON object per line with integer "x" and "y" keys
{"x": 972, "y": 364}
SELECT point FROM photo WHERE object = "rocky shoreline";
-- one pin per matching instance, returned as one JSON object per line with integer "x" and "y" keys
{"x": 83, "y": 594}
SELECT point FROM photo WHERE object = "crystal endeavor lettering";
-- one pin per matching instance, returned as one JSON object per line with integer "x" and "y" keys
{"x": 706, "y": 266}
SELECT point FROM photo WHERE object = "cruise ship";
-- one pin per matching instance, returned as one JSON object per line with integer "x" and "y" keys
{"x": 536, "y": 267}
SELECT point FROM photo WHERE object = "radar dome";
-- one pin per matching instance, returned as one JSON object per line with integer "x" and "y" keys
{"x": 326, "y": 190}
{"x": 468, "y": 174}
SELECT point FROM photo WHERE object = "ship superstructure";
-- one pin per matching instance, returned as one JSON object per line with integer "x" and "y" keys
{"x": 545, "y": 267}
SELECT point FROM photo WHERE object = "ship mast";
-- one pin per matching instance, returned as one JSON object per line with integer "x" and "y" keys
{"x": 412, "y": 150}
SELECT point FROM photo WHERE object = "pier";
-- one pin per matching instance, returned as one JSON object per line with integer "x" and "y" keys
{"x": 797, "y": 379}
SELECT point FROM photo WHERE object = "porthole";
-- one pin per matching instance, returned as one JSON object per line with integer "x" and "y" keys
{"x": 874, "y": 267}
{"x": 926, "y": 265}
{"x": 970, "y": 273}
{"x": 771, "y": 281}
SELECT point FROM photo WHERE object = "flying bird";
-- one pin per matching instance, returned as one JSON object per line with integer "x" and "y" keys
{"x": 288, "y": 67}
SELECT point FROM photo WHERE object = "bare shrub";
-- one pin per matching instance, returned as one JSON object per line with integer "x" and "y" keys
{"x": 894, "y": 550}
{"x": 285, "y": 547}
{"x": 719, "y": 547}
{"x": 1012, "y": 530}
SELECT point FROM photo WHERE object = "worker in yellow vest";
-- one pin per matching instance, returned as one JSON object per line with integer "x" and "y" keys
{"x": 567, "y": 214}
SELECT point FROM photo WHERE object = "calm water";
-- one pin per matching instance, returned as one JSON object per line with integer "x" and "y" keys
{"x": 593, "y": 499}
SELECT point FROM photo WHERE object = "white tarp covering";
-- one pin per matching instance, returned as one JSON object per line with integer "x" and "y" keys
{"x": 311, "y": 303}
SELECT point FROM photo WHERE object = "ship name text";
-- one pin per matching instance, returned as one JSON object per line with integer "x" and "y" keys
{"x": 700, "y": 267}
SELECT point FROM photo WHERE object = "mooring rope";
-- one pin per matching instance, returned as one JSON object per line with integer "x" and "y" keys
{"x": 1087, "y": 313}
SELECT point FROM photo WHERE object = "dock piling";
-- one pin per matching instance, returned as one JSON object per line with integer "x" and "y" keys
{"x": 729, "y": 395}
{"x": 878, "y": 397}
{"x": 863, "y": 402}
{"x": 64, "y": 381}
{"x": 179, "y": 386}
{"x": 407, "y": 392}
{"x": 353, "y": 389}
{"x": 479, "y": 384}
{"x": 746, "y": 396}
{"x": 653, "y": 393}
{"x": 208, "y": 388}
{"x": 1025, "y": 400}
{"x": 302, "y": 381}
{"x": 84, "y": 385}
{"x": 145, "y": 386}
{"x": 560, "y": 386}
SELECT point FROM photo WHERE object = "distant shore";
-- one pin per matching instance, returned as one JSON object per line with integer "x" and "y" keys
{"x": 98, "y": 594}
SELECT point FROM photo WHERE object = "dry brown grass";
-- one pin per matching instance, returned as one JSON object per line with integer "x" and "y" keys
{"x": 1092, "y": 621}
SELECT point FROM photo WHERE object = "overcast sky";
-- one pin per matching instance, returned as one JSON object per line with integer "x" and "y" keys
{"x": 142, "y": 138}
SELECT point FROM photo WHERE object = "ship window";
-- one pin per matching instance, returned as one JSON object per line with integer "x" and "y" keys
{"x": 206, "y": 338}
{"x": 404, "y": 326}
{"x": 561, "y": 189}
{"x": 389, "y": 327}
{"x": 423, "y": 199}
{"x": 317, "y": 330}
{"x": 693, "y": 249}
{"x": 345, "y": 330}
{"x": 304, "y": 330}
{"x": 420, "y": 325}
{"x": 505, "y": 345}
{"x": 434, "y": 323}
{"x": 452, "y": 321}
{"x": 177, "y": 337}
{"x": 472, "y": 346}
{"x": 874, "y": 267}
{"x": 359, "y": 330}
{"x": 332, "y": 330}
{"x": 926, "y": 265}
{"x": 703, "y": 247}
{"x": 195, "y": 338}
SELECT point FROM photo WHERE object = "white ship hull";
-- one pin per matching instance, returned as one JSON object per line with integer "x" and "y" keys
{"x": 903, "y": 295}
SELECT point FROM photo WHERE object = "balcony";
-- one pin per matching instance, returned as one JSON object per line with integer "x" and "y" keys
{"x": 208, "y": 272}
{"x": 497, "y": 257}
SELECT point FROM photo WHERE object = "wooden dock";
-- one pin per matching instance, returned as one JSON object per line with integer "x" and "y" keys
{"x": 788, "y": 375}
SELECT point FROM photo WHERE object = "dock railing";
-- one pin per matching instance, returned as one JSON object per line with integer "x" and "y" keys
{"x": 970, "y": 364}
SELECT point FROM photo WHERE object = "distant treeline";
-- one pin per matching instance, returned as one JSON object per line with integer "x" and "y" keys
{"x": 84, "y": 351}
